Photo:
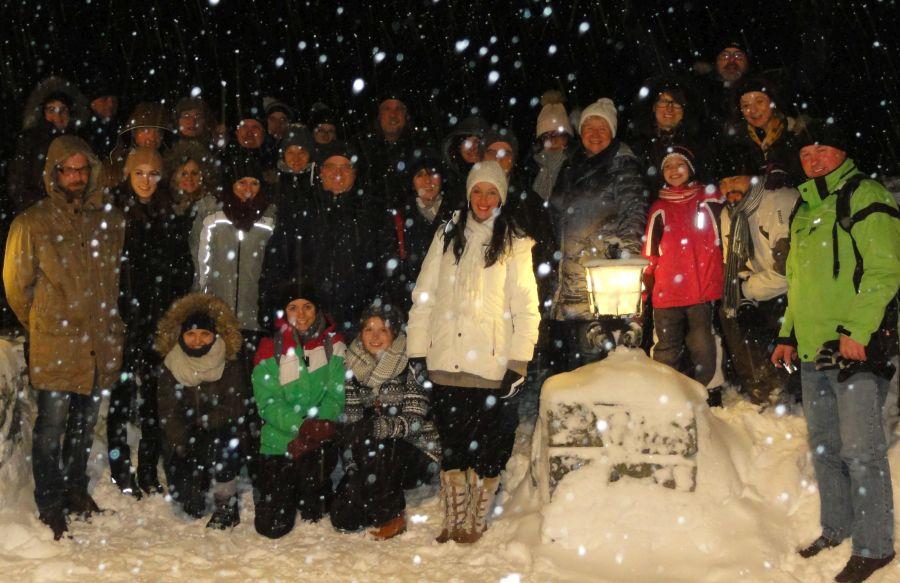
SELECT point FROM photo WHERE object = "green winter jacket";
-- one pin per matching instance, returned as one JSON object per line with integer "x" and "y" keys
{"x": 818, "y": 302}
{"x": 308, "y": 386}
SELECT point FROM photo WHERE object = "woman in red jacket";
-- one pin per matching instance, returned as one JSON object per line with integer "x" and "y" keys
{"x": 685, "y": 272}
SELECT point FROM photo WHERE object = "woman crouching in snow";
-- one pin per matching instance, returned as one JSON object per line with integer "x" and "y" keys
{"x": 385, "y": 432}
{"x": 472, "y": 331}
{"x": 298, "y": 383}
{"x": 203, "y": 400}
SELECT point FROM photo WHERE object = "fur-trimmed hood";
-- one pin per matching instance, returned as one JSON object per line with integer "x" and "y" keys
{"x": 34, "y": 106}
{"x": 227, "y": 326}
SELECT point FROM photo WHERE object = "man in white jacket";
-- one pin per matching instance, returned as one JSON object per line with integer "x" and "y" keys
{"x": 756, "y": 236}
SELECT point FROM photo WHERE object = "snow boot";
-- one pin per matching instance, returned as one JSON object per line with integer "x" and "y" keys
{"x": 121, "y": 475}
{"x": 226, "y": 514}
{"x": 861, "y": 568}
{"x": 147, "y": 474}
{"x": 481, "y": 503}
{"x": 714, "y": 397}
{"x": 79, "y": 502}
{"x": 455, "y": 500}
{"x": 390, "y": 529}
{"x": 817, "y": 546}
{"x": 55, "y": 518}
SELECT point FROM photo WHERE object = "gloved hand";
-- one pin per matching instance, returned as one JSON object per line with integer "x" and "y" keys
{"x": 317, "y": 429}
{"x": 633, "y": 336}
{"x": 301, "y": 445}
{"x": 511, "y": 384}
{"x": 828, "y": 357}
{"x": 419, "y": 369}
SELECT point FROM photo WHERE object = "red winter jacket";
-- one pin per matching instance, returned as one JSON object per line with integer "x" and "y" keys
{"x": 684, "y": 247}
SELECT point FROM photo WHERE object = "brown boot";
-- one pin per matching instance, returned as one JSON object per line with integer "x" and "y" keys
{"x": 454, "y": 501}
{"x": 389, "y": 529}
{"x": 481, "y": 503}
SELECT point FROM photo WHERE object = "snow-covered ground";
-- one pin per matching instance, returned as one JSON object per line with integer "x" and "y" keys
{"x": 645, "y": 532}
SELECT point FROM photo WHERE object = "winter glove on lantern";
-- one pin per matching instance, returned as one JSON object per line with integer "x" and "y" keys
{"x": 419, "y": 369}
{"x": 511, "y": 384}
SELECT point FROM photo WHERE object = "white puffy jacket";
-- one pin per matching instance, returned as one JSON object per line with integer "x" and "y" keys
{"x": 472, "y": 322}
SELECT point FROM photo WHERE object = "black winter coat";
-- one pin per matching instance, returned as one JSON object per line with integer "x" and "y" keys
{"x": 24, "y": 182}
{"x": 532, "y": 214}
{"x": 387, "y": 165}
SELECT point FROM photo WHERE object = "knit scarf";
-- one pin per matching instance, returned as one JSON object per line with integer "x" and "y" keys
{"x": 469, "y": 283}
{"x": 550, "y": 163}
{"x": 771, "y": 133}
{"x": 243, "y": 214}
{"x": 430, "y": 211}
{"x": 191, "y": 372}
{"x": 374, "y": 371}
{"x": 740, "y": 247}
{"x": 682, "y": 193}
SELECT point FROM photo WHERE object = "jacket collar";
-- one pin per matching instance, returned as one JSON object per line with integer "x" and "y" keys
{"x": 815, "y": 190}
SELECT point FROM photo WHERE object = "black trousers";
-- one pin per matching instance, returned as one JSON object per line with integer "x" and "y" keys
{"x": 212, "y": 454}
{"x": 748, "y": 338}
{"x": 477, "y": 428}
{"x": 286, "y": 486}
{"x": 568, "y": 347}
{"x": 141, "y": 382}
{"x": 691, "y": 328}
{"x": 371, "y": 492}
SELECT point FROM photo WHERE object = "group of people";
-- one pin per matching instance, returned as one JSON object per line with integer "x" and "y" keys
{"x": 246, "y": 288}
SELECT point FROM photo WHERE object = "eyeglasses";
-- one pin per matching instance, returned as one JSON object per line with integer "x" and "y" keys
{"x": 669, "y": 104}
{"x": 70, "y": 171}
{"x": 732, "y": 55}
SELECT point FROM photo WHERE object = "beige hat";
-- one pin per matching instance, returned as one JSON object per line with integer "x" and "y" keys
{"x": 140, "y": 156}
{"x": 553, "y": 116}
{"x": 603, "y": 107}
{"x": 490, "y": 172}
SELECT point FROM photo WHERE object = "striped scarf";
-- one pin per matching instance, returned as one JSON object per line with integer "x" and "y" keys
{"x": 682, "y": 193}
{"x": 374, "y": 371}
{"x": 740, "y": 247}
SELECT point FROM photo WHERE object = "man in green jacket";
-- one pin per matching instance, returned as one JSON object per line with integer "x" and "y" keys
{"x": 843, "y": 273}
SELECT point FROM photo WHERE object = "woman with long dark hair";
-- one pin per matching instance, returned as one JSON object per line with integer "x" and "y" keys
{"x": 472, "y": 331}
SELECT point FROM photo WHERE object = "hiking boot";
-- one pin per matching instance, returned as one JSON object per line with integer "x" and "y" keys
{"x": 861, "y": 568}
{"x": 481, "y": 502}
{"x": 80, "y": 502}
{"x": 454, "y": 500}
{"x": 55, "y": 518}
{"x": 817, "y": 546}
{"x": 225, "y": 515}
{"x": 389, "y": 529}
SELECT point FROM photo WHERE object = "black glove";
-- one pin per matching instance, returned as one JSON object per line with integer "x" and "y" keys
{"x": 352, "y": 433}
{"x": 511, "y": 384}
{"x": 419, "y": 369}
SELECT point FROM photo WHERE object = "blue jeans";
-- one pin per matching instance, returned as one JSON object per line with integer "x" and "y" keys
{"x": 70, "y": 418}
{"x": 849, "y": 456}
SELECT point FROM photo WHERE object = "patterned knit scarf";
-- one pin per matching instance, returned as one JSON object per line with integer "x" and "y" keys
{"x": 374, "y": 371}
{"x": 740, "y": 247}
{"x": 682, "y": 193}
{"x": 772, "y": 133}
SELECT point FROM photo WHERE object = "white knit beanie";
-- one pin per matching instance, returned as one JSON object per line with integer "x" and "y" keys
{"x": 553, "y": 116}
{"x": 603, "y": 107}
{"x": 490, "y": 172}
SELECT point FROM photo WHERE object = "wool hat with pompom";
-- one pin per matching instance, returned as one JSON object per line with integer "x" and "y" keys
{"x": 553, "y": 116}
{"x": 605, "y": 108}
{"x": 490, "y": 172}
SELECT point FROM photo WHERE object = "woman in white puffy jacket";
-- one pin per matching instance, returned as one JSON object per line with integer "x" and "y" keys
{"x": 471, "y": 333}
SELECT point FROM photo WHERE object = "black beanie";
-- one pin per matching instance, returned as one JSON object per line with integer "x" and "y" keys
{"x": 243, "y": 166}
{"x": 199, "y": 321}
{"x": 683, "y": 152}
{"x": 826, "y": 132}
{"x": 761, "y": 85}
{"x": 732, "y": 43}
{"x": 337, "y": 148}
{"x": 392, "y": 315}
{"x": 288, "y": 292}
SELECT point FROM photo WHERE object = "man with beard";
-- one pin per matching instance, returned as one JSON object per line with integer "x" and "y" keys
{"x": 61, "y": 275}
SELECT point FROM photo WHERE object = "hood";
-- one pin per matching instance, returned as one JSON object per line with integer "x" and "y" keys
{"x": 227, "y": 325}
{"x": 34, "y": 110}
{"x": 148, "y": 115}
{"x": 60, "y": 149}
{"x": 471, "y": 126}
{"x": 185, "y": 150}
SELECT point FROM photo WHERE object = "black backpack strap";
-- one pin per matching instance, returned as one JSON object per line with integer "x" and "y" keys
{"x": 843, "y": 218}
{"x": 277, "y": 340}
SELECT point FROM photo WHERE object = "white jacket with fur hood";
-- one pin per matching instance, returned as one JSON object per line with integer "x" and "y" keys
{"x": 472, "y": 322}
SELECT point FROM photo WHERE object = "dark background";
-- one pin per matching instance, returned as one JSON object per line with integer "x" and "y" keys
{"x": 842, "y": 56}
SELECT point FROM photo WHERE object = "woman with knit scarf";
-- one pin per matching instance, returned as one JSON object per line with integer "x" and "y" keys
{"x": 685, "y": 272}
{"x": 386, "y": 429}
{"x": 472, "y": 331}
{"x": 203, "y": 400}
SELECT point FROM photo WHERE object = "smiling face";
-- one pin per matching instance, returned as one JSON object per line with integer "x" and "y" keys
{"x": 148, "y": 138}
{"x": 105, "y": 106}
{"x": 338, "y": 175}
{"x": 246, "y": 188}
{"x": 188, "y": 177}
{"x": 57, "y": 113}
{"x": 820, "y": 160}
{"x": 73, "y": 175}
{"x": 325, "y": 133}
{"x": 376, "y": 336}
{"x": 485, "y": 200}
{"x": 250, "y": 134}
{"x": 596, "y": 135}
{"x": 277, "y": 124}
{"x": 470, "y": 149}
{"x": 735, "y": 187}
{"x": 301, "y": 314}
{"x": 757, "y": 108}
{"x": 427, "y": 184}
{"x": 144, "y": 181}
{"x": 191, "y": 123}
{"x": 668, "y": 112}
{"x": 296, "y": 158}
{"x": 197, "y": 338}
{"x": 676, "y": 171}
{"x": 554, "y": 141}
{"x": 392, "y": 117}
{"x": 503, "y": 154}
{"x": 731, "y": 64}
